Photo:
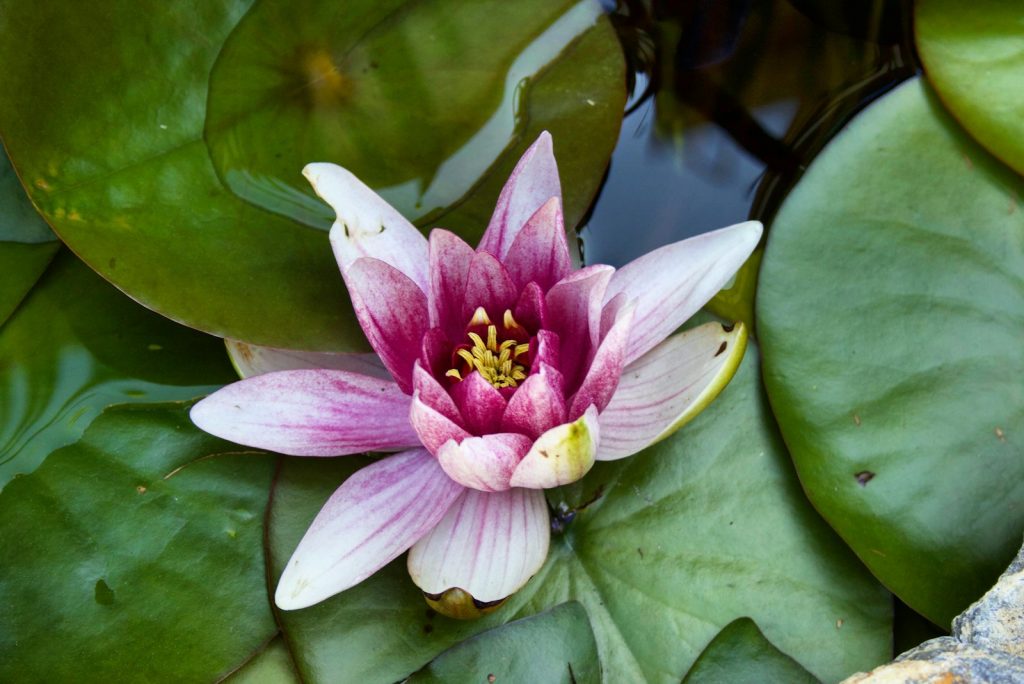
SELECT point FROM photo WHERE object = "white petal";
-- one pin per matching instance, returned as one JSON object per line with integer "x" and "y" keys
{"x": 367, "y": 226}
{"x": 561, "y": 455}
{"x": 369, "y": 521}
{"x": 671, "y": 283}
{"x": 667, "y": 387}
{"x": 488, "y": 545}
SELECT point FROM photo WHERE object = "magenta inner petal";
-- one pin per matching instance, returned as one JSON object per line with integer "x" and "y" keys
{"x": 480, "y": 403}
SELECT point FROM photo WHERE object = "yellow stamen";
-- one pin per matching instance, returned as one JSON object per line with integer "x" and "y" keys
{"x": 480, "y": 317}
{"x": 496, "y": 362}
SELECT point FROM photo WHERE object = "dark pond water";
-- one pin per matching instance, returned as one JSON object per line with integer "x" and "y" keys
{"x": 732, "y": 99}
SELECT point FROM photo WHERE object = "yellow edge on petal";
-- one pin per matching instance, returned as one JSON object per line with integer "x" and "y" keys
{"x": 460, "y": 605}
{"x": 736, "y": 346}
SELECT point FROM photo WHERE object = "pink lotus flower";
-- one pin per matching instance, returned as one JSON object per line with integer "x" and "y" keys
{"x": 507, "y": 372}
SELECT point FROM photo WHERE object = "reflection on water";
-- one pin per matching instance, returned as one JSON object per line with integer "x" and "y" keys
{"x": 419, "y": 103}
{"x": 658, "y": 193}
{"x": 721, "y": 127}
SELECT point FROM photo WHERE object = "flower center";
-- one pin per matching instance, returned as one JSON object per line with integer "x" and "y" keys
{"x": 501, "y": 360}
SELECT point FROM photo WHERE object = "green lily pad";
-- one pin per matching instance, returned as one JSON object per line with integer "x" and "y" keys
{"x": 740, "y": 654}
{"x": 26, "y": 243}
{"x": 77, "y": 345}
{"x": 179, "y": 180}
{"x": 135, "y": 552}
{"x": 890, "y": 310}
{"x": 272, "y": 665}
{"x": 704, "y": 527}
{"x": 972, "y": 55}
{"x": 554, "y": 646}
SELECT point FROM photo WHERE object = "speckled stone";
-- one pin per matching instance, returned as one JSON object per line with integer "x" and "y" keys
{"x": 987, "y": 644}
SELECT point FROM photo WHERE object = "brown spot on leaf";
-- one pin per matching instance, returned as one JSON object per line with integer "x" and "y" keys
{"x": 856, "y": 420}
{"x": 141, "y": 489}
{"x": 491, "y": 679}
{"x": 863, "y": 477}
{"x": 1000, "y": 435}
{"x": 641, "y": 552}
{"x": 722, "y": 349}
{"x": 839, "y": 623}
{"x": 728, "y": 327}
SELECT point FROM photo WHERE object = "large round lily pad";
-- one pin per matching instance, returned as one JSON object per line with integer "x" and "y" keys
{"x": 972, "y": 55}
{"x": 891, "y": 311}
{"x": 75, "y": 346}
{"x": 135, "y": 553}
{"x": 179, "y": 179}
{"x": 676, "y": 542}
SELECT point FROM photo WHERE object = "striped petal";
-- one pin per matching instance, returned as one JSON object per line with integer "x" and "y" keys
{"x": 310, "y": 413}
{"x": 432, "y": 427}
{"x": 561, "y": 455}
{"x": 369, "y": 521}
{"x": 484, "y": 463}
{"x": 433, "y": 394}
{"x": 671, "y": 283}
{"x": 574, "y": 308}
{"x": 664, "y": 389}
{"x": 489, "y": 285}
{"x": 367, "y": 226}
{"x": 450, "y": 258}
{"x": 488, "y": 545}
{"x": 537, "y": 405}
{"x": 606, "y": 367}
{"x": 540, "y": 253}
{"x": 392, "y": 311}
{"x": 250, "y": 359}
{"x": 533, "y": 182}
{"x": 480, "y": 404}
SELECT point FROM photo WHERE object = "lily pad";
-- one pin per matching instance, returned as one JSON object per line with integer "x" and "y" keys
{"x": 972, "y": 55}
{"x": 77, "y": 345}
{"x": 26, "y": 243}
{"x": 740, "y": 654}
{"x": 272, "y": 665}
{"x": 891, "y": 313}
{"x": 179, "y": 180}
{"x": 675, "y": 543}
{"x": 554, "y": 646}
{"x": 137, "y": 551}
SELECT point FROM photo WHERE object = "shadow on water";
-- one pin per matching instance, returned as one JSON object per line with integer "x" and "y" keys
{"x": 731, "y": 100}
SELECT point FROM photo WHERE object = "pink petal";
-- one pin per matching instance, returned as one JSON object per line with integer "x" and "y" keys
{"x": 540, "y": 253}
{"x": 484, "y": 463}
{"x": 574, "y": 312}
{"x": 250, "y": 359}
{"x": 671, "y": 283}
{"x": 369, "y": 521}
{"x": 545, "y": 350}
{"x": 433, "y": 428}
{"x": 533, "y": 182}
{"x": 436, "y": 352}
{"x": 530, "y": 310}
{"x": 668, "y": 386}
{"x": 488, "y": 544}
{"x": 606, "y": 367}
{"x": 537, "y": 405}
{"x": 488, "y": 285}
{"x": 450, "y": 258}
{"x": 310, "y": 413}
{"x": 480, "y": 404}
{"x": 433, "y": 394}
{"x": 392, "y": 312}
{"x": 561, "y": 455}
{"x": 367, "y": 226}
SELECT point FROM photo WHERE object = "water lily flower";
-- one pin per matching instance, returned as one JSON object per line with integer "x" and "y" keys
{"x": 499, "y": 372}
